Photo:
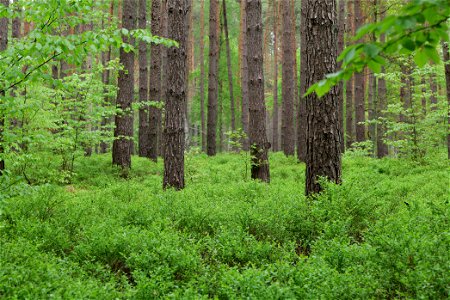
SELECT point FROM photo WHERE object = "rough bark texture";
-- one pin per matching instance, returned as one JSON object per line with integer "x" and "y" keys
{"x": 350, "y": 90}
{"x": 202, "y": 74}
{"x": 323, "y": 157}
{"x": 372, "y": 106}
{"x": 230, "y": 70}
{"x": 213, "y": 76}
{"x": 341, "y": 22}
{"x": 302, "y": 122}
{"x": 257, "y": 117}
{"x": 287, "y": 89}
{"x": 155, "y": 84}
{"x": 123, "y": 133}
{"x": 445, "y": 49}
{"x": 244, "y": 77}
{"x": 175, "y": 96}
{"x": 164, "y": 31}
{"x": 359, "y": 99}
{"x": 382, "y": 149}
{"x": 143, "y": 84}
{"x": 275, "y": 121}
{"x": 3, "y": 45}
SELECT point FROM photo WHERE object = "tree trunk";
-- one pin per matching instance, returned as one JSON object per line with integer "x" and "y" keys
{"x": 143, "y": 84}
{"x": 323, "y": 154}
{"x": 230, "y": 71}
{"x": 213, "y": 76}
{"x": 382, "y": 149}
{"x": 123, "y": 132}
{"x": 287, "y": 91}
{"x": 164, "y": 32}
{"x": 155, "y": 83}
{"x": 175, "y": 96}
{"x": 341, "y": 22}
{"x": 433, "y": 87}
{"x": 445, "y": 50}
{"x": 275, "y": 121}
{"x": 3, "y": 46}
{"x": 244, "y": 78}
{"x": 301, "y": 116}
{"x": 350, "y": 89}
{"x": 360, "y": 104}
{"x": 257, "y": 117}
{"x": 202, "y": 74}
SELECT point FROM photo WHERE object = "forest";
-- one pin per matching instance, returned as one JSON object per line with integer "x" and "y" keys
{"x": 224, "y": 149}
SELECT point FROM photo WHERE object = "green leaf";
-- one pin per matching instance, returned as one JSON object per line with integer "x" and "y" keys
{"x": 374, "y": 66}
{"x": 432, "y": 53}
{"x": 420, "y": 58}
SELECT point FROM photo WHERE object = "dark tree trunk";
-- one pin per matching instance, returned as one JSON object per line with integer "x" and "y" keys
{"x": 164, "y": 31}
{"x": 445, "y": 50}
{"x": 433, "y": 87}
{"x": 143, "y": 85}
{"x": 424, "y": 99}
{"x": 275, "y": 121}
{"x": 341, "y": 22}
{"x": 123, "y": 133}
{"x": 372, "y": 104}
{"x": 382, "y": 149}
{"x": 360, "y": 110}
{"x": 175, "y": 96}
{"x": 257, "y": 117}
{"x": 202, "y": 74}
{"x": 350, "y": 89}
{"x": 323, "y": 156}
{"x": 302, "y": 121}
{"x": 3, "y": 45}
{"x": 213, "y": 76}
{"x": 288, "y": 86}
{"x": 244, "y": 77}
{"x": 155, "y": 83}
{"x": 230, "y": 71}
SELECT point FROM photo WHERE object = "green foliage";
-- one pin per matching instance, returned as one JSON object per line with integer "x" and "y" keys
{"x": 383, "y": 233}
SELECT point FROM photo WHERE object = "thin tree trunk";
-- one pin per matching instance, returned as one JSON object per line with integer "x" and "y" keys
{"x": 445, "y": 50}
{"x": 164, "y": 30}
{"x": 288, "y": 93}
{"x": 155, "y": 84}
{"x": 323, "y": 136}
{"x": 175, "y": 96}
{"x": 341, "y": 22}
{"x": 257, "y": 109}
{"x": 202, "y": 74}
{"x": 350, "y": 90}
{"x": 433, "y": 87}
{"x": 143, "y": 85}
{"x": 213, "y": 76}
{"x": 296, "y": 100}
{"x": 359, "y": 99}
{"x": 302, "y": 121}
{"x": 244, "y": 78}
{"x": 123, "y": 133}
{"x": 275, "y": 121}
{"x": 3, "y": 46}
{"x": 382, "y": 149}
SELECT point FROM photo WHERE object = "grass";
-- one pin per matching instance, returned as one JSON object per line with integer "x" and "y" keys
{"x": 383, "y": 233}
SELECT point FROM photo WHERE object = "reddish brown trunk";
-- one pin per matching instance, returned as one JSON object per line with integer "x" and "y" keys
{"x": 360, "y": 110}
{"x": 302, "y": 122}
{"x": 230, "y": 71}
{"x": 341, "y": 22}
{"x": 445, "y": 49}
{"x": 143, "y": 133}
{"x": 202, "y": 74}
{"x": 275, "y": 121}
{"x": 244, "y": 78}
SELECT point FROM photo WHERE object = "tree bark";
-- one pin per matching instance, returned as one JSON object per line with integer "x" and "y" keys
{"x": 175, "y": 96}
{"x": 164, "y": 31}
{"x": 445, "y": 50}
{"x": 302, "y": 122}
{"x": 287, "y": 90}
{"x": 257, "y": 117}
{"x": 323, "y": 154}
{"x": 382, "y": 149}
{"x": 433, "y": 87}
{"x": 350, "y": 90}
{"x": 275, "y": 121}
{"x": 202, "y": 74}
{"x": 123, "y": 133}
{"x": 244, "y": 78}
{"x": 341, "y": 22}
{"x": 143, "y": 133}
{"x": 213, "y": 76}
{"x": 360, "y": 110}
{"x": 3, "y": 46}
{"x": 155, "y": 83}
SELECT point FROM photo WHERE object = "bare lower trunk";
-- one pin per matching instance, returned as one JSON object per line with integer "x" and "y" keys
{"x": 445, "y": 50}
{"x": 3, "y": 46}
{"x": 202, "y": 75}
{"x": 275, "y": 121}
{"x": 359, "y": 100}
{"x": 302, "y": 122}
{"x": 143, "y": 85}
{"x": 244, "y": 78}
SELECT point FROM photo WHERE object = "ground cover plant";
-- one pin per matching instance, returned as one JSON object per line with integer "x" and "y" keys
{"x": 383, "y": 233}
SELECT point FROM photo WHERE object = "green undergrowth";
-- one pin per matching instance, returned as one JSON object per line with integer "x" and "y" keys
{"x": 383, "y": 233}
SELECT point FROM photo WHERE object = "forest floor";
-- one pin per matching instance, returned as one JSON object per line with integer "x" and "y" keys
{"x": 383, "y": 233}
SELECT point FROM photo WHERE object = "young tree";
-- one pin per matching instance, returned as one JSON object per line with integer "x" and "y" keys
{"x": 202, "y": 74}
{"x": 175, "y": 96}
{"x": 288, "y": 84}
{"x": 360, "y": 107}
{"x": 213, "y": 75}
{"x": 143, "y": 84}
{"x": 155, "y": 84}
{"x": 230, "y": 71}
{"x": 3, "y": 45}
{"x": 323, "y": 154}
{"x": 257, "y": 130}
{"x": 275, "y": 121}
{"x": 123, "y": 133}
{"x": 244, "y": 76}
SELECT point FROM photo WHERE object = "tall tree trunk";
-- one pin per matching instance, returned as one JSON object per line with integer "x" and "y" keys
{"x": 433, "y": 87}
{"x": 244, "y": 78}
{"x": 143, "y": 84}
{"x": 287, "y": 91}
{"x": 123, "y": 133}
{"x": 372, "y": 107}
{"x": 213, "y": 75}
{"x": 360, "y": 110}
{"x": 3, "y": 46}
{"x": 350, "y": 89}
{"x": 164, "y": 30}
{"x": 175, "y": 96}
{"x": 202, "y": 73}
{"x": 275, "y": 121}
{"x": 341, "y": 22}
{"x": 445, "y": 50}
{"x": 155, "y": 83}
{"x": 230, "y": 70}
{"x": 323, "y": 157}
{"x": 301, "y": 116}
{"x": 382, "y": 149}
{"x": 257, "y": 108}
{"x": 296, "y": 100}
{"x": 424, "y": 99}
